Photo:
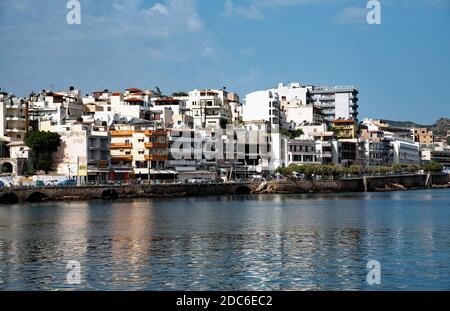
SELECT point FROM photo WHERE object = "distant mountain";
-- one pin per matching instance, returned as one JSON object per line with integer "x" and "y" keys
{"x": 440, "y": 127}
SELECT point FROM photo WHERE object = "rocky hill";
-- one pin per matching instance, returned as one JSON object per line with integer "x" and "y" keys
{"x": 440, "y": 127}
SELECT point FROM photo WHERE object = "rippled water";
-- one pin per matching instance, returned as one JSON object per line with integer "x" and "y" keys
{"x": 267, "y": 242}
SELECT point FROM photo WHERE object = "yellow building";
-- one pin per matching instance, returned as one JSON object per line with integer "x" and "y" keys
{"x": 344, "y": 129}
{"x": 138, "y": 151}
{"x": 423, "y": 136}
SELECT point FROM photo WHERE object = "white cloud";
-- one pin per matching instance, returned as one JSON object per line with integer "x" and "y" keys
{"x": 158, "y": 8}
{"x": 251, "y": 12}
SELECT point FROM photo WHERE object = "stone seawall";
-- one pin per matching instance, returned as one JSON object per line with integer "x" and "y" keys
{"x": 360, "y": 184}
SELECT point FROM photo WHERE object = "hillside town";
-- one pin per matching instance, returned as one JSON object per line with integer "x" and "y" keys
{"x": 145, "y": 136}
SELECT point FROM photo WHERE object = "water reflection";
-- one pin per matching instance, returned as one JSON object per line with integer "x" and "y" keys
{"x": 304, "y": 242}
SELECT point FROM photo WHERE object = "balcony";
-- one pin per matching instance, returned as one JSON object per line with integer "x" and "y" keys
{"x": 122, "y": 146}
{"x": 156, "y": 145}
{"x": 127, "y": 157}
{"x": 150, "y": 133}
{"x": 155, "y": 157}
{"x": 15, "y": 118}
{"x": 121, "y": 133}
{"x": 16, "y": 130}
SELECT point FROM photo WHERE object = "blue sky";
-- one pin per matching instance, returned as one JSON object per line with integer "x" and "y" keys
{"x": 401, "y": 67}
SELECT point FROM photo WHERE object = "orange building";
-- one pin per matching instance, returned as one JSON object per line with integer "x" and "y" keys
{"x": 138, "y": 151}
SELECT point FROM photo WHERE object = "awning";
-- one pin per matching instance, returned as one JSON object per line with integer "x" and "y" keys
{"x": 162, "y": 172}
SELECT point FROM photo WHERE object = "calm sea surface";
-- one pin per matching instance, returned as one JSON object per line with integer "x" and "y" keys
{"x": 266, "y": 242}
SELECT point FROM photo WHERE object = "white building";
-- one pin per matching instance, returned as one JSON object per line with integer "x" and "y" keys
{"x": 84, "y": 152}
{"x": 210, "y": 108}
{"x": 174, "y": 112}
{"x": 293, "y": 92}
{"x": 296, "y": 113}
{"x": 262, "y": 105}
{"x": 339, "y": 102}
{"x": 55, "y": 108}
{"x": 300, "y": 151}
{"x": 13, "y": 117}
{"x": 264, "y": 145}
{"x": 405, "y": 151}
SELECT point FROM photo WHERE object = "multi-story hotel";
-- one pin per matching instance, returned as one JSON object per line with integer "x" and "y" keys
{"x": 339, "y": 102}
{"x": 138, "y": 151}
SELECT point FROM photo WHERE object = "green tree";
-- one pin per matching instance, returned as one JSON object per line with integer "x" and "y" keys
{"x": 433, "y": 167}
{"x": 158, "y": 92}
{"x": 291, "y": 134}
{"x": 396, "y": 168}
{"x": 283, "y": 171}
{"x": 43, "y": 145}
{"x": 179, "y": 94}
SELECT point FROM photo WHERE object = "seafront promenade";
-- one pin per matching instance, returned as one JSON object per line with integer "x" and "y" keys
{"x": 114, "y": 192}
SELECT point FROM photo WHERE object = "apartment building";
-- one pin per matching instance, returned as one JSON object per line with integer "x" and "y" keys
{"x": 210, "y": 108}
{"x": 439, "y": 156}
{"x": 344, "y": 129}
{"x": 347, "y": 152}
{"x": 422, "y": 135}
{"x": 84, "y": 152}
{"x": 264, "y": 148}
{"x": 293, "y": 92}
{"x": 138, "y": 150}
{"x": 338, "y": 102}
{"x": 262, "y": 105}
{"x": 405, "y": 151}
{"x": 235, "y": 107}
{"x": 174, "y": 112}
{"x": 300, "y": 151}
{"x": 378, "y": 150}
{"x": 98, "y": 105}
{"x": 296, "y": 113}
{"x": 194, "y": 153}
{"x": 13, "y": 117}
{"x": 50, "y": 108}
{"x": 99, "y": 156}
{"x": 380, "y": 125}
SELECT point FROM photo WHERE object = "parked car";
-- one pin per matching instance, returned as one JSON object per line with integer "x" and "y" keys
{"x": 53, "y": 182}
{"x": 68, "y": 183}
{"x": 2, "y": 184}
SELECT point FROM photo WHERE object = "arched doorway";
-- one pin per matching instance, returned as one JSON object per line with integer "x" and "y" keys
{"x": 6, "y": 168}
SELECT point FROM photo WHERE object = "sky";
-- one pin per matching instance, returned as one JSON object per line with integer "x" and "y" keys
{"x": 401, "y": 67}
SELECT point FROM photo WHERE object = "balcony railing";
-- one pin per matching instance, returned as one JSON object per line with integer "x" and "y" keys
{"x": 121, "y": 133}
{"x": 122, "y": 158}
{"x": 156, "y": 157}
{"x": 15, "y": 118}
{"x": 156, "y": 145}
{"x": 122, "y": 146}
{"x": 149, "y": 133}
